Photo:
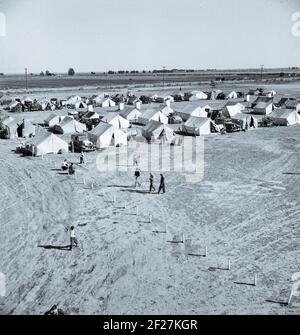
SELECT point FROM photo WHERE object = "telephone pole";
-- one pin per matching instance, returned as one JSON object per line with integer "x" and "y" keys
{"x": 261, "y": 72}
{"x": 26, "y": 78}
{"x": 164, "y": 68}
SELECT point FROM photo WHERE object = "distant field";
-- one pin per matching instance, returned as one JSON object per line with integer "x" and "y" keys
{"x": 10, "y": 82}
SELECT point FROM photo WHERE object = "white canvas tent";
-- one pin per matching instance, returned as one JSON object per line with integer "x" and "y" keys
{"x": 232, "y": 109}
{"x": 197, "y": 126}
{"x": 130, "y": 114}
{"x": 53, "y": 119}
{"x": 152, "y": 114}
{"x": 10, "y": 126}
{"x": 167, "y": 110}
{"x": 46, "y": 143}
{"x": 158, "y": 131}
{"x": 6, "y": 100}
{"x": 284, "y": 117}
{"x": 232, "y": 95}
{"x": 15, "y": 128}
{"x": 198, "y": 95}
{"x": 191, "y": 110}
{"x": 263, "y": 108}
{"x": 72, "y": 101}
{"x": 26, "y": 130}
{"x": 246, "y": 121}
{"x": 15, "y": 106}
{"x": 104, "y": 102}
{"x": 80, "y": 104}
{"x": 69, "y": 126}
{"x": 116, "y": 120}
{"x": 7, "y": 120}
{"x": 91, "y": 116}
{"x": 105, "y": 135}
{"x": 44, "y": 104}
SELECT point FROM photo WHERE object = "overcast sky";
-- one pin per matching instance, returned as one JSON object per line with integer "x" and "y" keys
{"x": 99, "y": 35}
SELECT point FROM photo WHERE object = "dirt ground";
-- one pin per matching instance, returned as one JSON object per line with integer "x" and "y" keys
{"x": 246, "y": 209}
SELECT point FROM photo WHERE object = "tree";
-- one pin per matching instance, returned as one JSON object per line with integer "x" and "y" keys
{"x": 71, "y": 72}
{"x": 42, "y": 73}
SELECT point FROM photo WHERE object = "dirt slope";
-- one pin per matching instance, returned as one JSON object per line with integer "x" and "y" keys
{"x": 245, "y": 209}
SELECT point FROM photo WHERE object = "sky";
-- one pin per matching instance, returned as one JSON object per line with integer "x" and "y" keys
{"x": 102, "y": 35}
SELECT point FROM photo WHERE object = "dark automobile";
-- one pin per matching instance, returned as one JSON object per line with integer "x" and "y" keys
{"x": 232, "y": 127}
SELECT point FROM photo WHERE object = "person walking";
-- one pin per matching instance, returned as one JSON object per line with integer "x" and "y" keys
{"x": 162, "y": 186}
{"x": 136, "y": 161}
{"x": 81, "y": 158}
{"x": 73, "y": 239}
{"x": 151, "y": 179}
{"x": 137, "y": 175}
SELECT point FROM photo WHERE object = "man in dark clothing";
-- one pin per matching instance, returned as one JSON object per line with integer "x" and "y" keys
{"x": 73, "y": 239}
{"x": 71, "y": 169}
{"x": 54, "y": 311}
{"x": 151, "y": 179}
{"x": 162, "y": 186}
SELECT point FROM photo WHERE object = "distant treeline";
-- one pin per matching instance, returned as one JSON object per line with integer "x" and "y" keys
{"x": 145, "y": 71}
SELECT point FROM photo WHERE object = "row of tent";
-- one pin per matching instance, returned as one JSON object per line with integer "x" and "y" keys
{"x": 105, "y": 134}
{"x": 105, "y": 100}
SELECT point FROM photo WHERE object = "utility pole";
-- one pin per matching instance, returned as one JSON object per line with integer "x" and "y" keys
{"x": 26, "y": 79}
{"x": 261, "y": 72}
{"x": 164, "y": 68}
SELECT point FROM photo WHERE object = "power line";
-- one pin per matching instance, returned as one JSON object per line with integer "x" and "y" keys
{"x": 261, "y": 72}
{"x": 26, "y": 78}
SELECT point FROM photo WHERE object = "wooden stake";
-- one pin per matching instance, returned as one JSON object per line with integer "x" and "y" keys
{"x": 83, "y": 181}
{"x": 92, "y": 185}
{"x": 290, "y": 298}
{"x": 166, "y": 228}
{"x": 137, "y": 211}
{"x": 255, "y": 280}
{"x": 150, "y": 218}
{"x": 205, "y": 251}
{"x": 114, "y": 199}
{"x": 125, "y": 205}
{"x": 182, "y": 238}
{"x": 229, "y": 264}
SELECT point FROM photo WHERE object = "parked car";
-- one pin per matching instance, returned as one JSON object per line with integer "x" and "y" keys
{"x": 81, "y": 143}
{"x": 232, "y": 127}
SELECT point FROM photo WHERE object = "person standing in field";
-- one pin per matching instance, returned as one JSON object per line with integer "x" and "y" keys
{"x": 81, "y": 158}
{"x": 71, "y": 169}
{"x": 162, "y": 186}
{"x": 151, "y": 179}
{"x": 137, "y": 175}
{"x": 73, "y": 239}
{"x": 54, "y": 311}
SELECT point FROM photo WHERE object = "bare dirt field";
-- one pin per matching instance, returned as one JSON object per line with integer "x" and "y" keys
{"x": 246, "y": 209}
{"x": 107, "y": 81}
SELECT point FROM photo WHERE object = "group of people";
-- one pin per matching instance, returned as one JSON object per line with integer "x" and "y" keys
{"x": 162, "y": 185}
{"x": 66, "y": 166}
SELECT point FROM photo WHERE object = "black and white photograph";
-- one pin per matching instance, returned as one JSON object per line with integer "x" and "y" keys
{"x": 149, "y": 159}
